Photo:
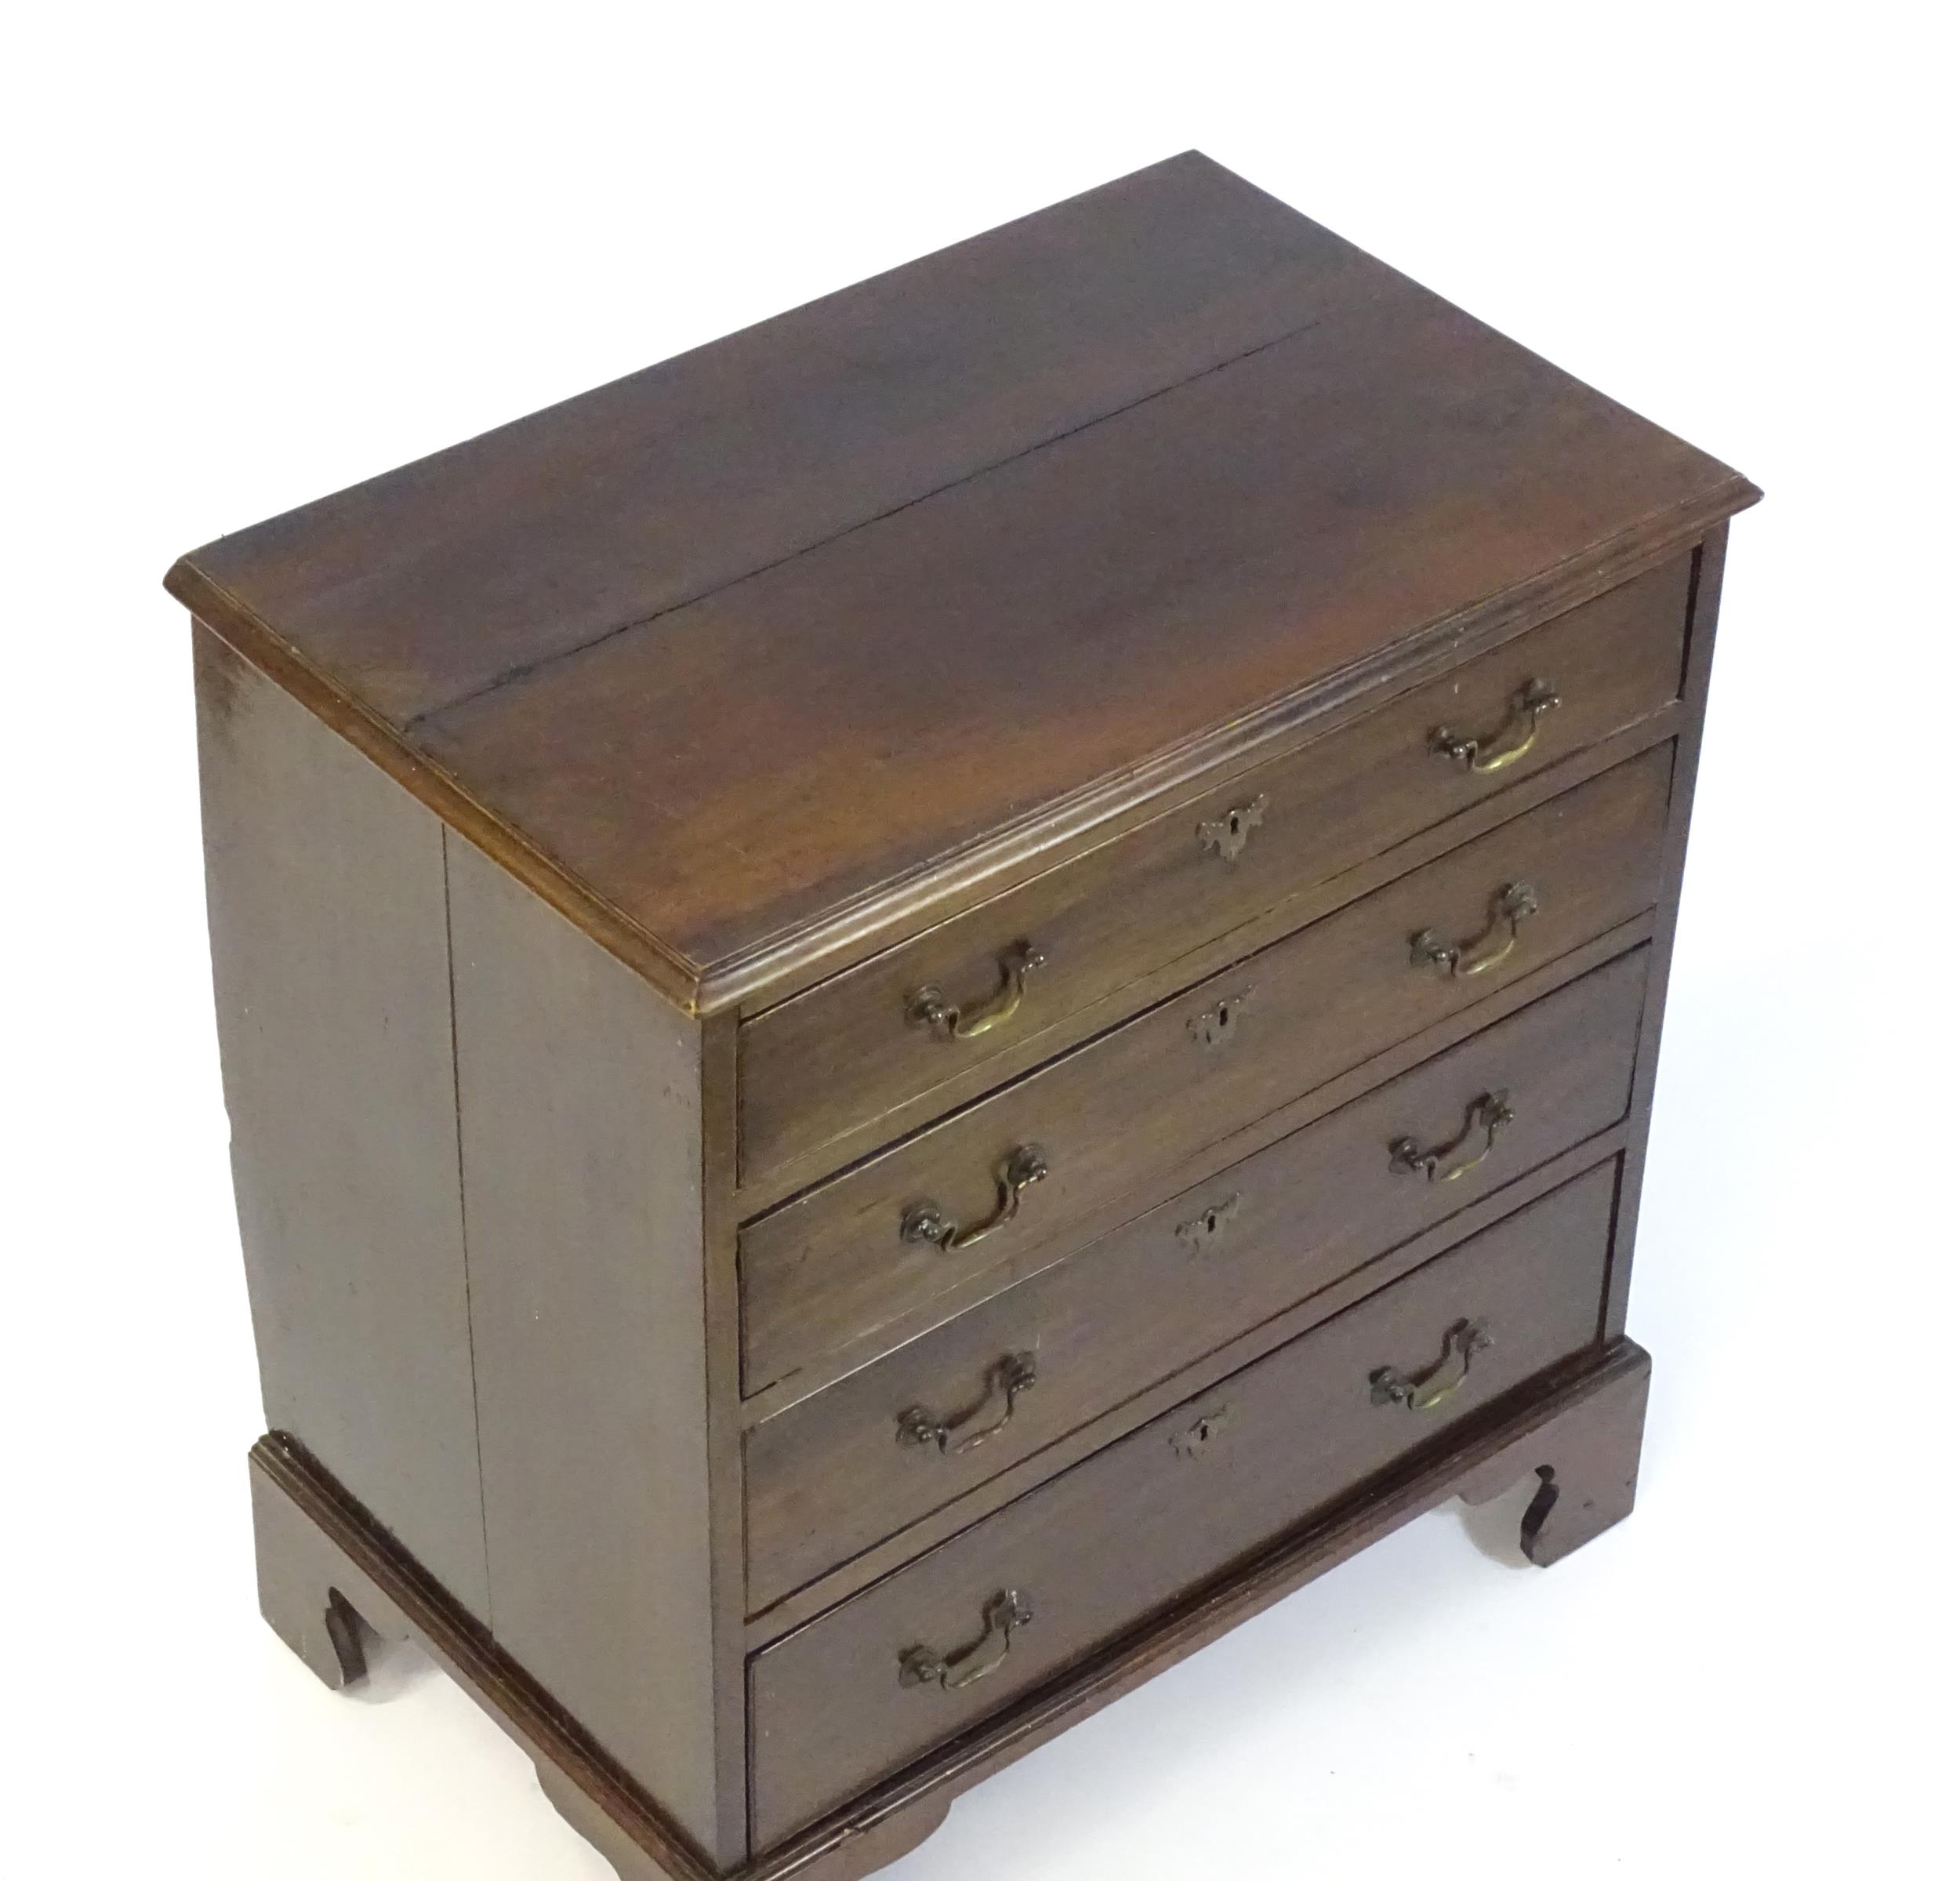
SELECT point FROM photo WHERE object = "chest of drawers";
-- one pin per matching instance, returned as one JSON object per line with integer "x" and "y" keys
{"x": 918, "y": 1007}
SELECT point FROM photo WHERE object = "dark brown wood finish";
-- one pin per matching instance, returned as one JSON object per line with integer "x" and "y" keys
{"x": 331, "y": 963}
{"x": 832, "y": 1475}
{"x": 318, "y": 1552}
{"x": 1705, "y": 597}
{"x": 810, "y": 1602}
{"x": 1098, "y": 1550}
{"x": 836, "y": 1262}
{"x": 580, "y": 1095}
{"x": 587, "y": 805}
{"x": 1086, "y": 632}
{"x": 1173, "y": 978}
{"x": 850, "y": 1050}
{"x": 451, "y": 576}
{"x": 1123, "y": 597}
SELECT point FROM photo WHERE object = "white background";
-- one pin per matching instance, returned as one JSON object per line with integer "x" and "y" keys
{"x": 260, "y": 252}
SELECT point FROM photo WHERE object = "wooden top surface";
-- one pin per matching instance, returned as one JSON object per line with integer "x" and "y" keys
{"x": 747, "y": 660}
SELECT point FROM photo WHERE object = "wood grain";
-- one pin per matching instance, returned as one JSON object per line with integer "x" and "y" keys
{"x": 581, "y": 1107}
{"x": 1098, "y": 1550}
{"x": 848, "y": 1051}
{"x": 584, "y": 807}
{"x": 766, "y": 659}
{"x": 330, "y": 960}
{"x": 828, "y": 1479}
{"x": 831, "y": 1264}
{"x": 310, "y": 1539}
{"x": 904, "y": 690}
{"x": 435, "y": 581}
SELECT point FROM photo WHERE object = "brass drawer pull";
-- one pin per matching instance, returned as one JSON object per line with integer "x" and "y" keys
{"x": 1006, "y": 1379}
{"x": 1229, "y": 833}
{"x": 1510, "y": 741}
{"x": 1509, "y": 906}
{"x": 1485, "y": 1117}
{"x": 929, "y": 1006}
{"x": 928, "y": 1221}
{"x": 1460, "y": 1344}
{"x": 1000, "y": 1617}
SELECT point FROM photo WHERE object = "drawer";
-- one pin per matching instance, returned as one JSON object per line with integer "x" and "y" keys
{"x": 848, "y": 1050}
{"x": 857, "y": 1694}
{"x": 841, "y": 1471}
{"x": 889, "y": 1236}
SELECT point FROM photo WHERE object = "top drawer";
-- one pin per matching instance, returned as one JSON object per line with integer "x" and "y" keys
{"x": 844, "y": 1053}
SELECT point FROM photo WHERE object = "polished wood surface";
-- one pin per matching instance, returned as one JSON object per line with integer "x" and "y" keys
{"x": 718, "y": 764}
{"x": 1098, "y": 1549}
{"x": 834, "y": 1263}
{"x": 580, "y": 1092}
{"x": 1580, "y": 1437}
{"x": 785, "y": 1349}
{"x": 330, "y": 964}
{"x": 438, "y": 580}
{"x": 1086, "y": 631}
{"x": 826, "y": 1478}
{"x": 850, "y": 1050}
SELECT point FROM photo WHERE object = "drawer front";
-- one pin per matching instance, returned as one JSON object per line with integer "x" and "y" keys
{"x": 857, "y": 1694}
{"x": 848, "y": 1050}
{"x": 858, "y": 1462}
{"x": 852, "y": 1256}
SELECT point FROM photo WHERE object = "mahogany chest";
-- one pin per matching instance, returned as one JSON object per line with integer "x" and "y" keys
{"x": 919, "y": 1006}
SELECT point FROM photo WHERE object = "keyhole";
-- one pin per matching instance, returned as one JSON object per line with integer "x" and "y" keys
{"x": 1225, "y": 1018}
{"x": 1211, "y": 1220}
{"x": 1232, "y": 822}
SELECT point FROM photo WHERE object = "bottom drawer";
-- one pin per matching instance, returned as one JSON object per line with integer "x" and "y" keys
{"x": 913, "y": 1660}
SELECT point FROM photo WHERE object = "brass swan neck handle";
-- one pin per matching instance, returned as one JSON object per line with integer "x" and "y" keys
{"x": 927, "y": 1221}
{"x": 1510, "y": 907}
{"x": 929, "y": 1007}
{"x": 1429, "y": 1389}
{"x": 1498, "y": 749}
{"x": 1002, "y": 1616}
{"x": 1485, "y": 1116}
{"x": 1007, "y": 1379}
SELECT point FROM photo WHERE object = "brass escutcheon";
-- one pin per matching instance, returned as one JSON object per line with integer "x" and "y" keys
{"x": 1218, "y": 1022}
{"x": 1202, "y": 1229}
{"x": 1229, "y": 833}
{"x": 1196, "y": 1441}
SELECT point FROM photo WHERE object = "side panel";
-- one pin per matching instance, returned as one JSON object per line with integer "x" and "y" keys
{"x": 580, "y": 1097}
{"x": 330, "y": 960}
{"x": 1704, "y": 603}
